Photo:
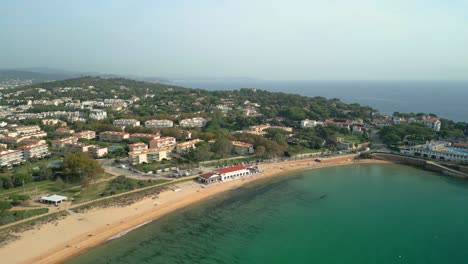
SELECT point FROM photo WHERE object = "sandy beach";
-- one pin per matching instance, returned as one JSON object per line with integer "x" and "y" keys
{"x": 58, "y": 241}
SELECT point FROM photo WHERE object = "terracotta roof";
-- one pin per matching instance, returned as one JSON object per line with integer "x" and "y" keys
{"x": 231, "y": 169}
{"x": 207, "y": 175}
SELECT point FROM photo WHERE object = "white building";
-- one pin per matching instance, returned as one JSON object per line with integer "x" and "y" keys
{"x": 154, "y": 123}
{"x": 193, "y": 122}
{"x": 9, "y": 158}
{"x": 126, "y": 122}
{"x": 439, "y": 150}
{"x": 35, "y": 151}
{"x": 310, "y": 123}
{"x": 98, "y": 114}
{"x": 226, "y": 174}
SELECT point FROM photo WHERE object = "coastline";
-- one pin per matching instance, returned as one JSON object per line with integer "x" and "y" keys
{"x": 69, "y": 237}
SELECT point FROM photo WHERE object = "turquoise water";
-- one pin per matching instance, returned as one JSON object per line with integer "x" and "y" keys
{"x": 353, "y": 214}
{"x": 55, "y": 163}
{"x": 112, "y": 148}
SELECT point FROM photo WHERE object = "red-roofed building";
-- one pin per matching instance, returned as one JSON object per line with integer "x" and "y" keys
{"x": 210, "y": 177}
{"x": 233, "y": 172}
{"x": 35, "y": 151}
{"x": 137, "y": 147}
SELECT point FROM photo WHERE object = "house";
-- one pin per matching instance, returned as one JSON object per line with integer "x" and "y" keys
{"x": 9, "y": 158}
{"x": 310, "y": 123}
{"x": 87, "y": 134}
{"x": 126, "y": 122}
{"x": 193, "y": 122}
{"x": 432, "y": 122}
{"x": 35, "y": 151}
{"x": 113, "y": 136}
{"x": 137, "y": 147}
{"x": 242, "y": 147}
{"x": 341, "y": 124}
{"x": 159, "y": 123}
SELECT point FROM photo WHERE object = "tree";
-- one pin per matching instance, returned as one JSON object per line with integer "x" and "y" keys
{"x": 222, "y": 146}
{"x": 202, "y": 152}
{"x": 78, "y": 167}
{"x": 260, "y": 151}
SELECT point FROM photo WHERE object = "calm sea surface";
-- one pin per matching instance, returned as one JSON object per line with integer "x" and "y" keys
{"x": 448, "y": 99}
{"x": 354, "y": 214}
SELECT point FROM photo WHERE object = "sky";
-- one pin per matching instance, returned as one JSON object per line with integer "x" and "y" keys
{"x": 265, "y": 39}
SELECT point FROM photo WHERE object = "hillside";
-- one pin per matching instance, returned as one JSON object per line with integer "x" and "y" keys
{"x": 169, "y": 99}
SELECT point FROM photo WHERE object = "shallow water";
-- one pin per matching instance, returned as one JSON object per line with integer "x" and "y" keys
{"x": 348, "y": 214}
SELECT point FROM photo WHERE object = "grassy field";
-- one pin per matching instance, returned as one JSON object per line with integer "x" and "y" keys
{"x": 12, "y": 216}
{"x": 36, "y": 189}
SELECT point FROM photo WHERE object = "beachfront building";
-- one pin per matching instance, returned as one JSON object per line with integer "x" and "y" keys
{"x": 208, "y": 178}
{"x": 35, "y": 151}
{"x": 87, "y": 134}
{"x": 126, "y": 122}
{"x": 187, "y": 146}
{"x": 53, "y": 199}
{"x": 193, "y": 122}
{"x": 137, "y": 147}
{"x": 241, "y": 148}
{"x": 113, "y": 136}
{"x": 310, "y": 123}
{"x": 162, "y": 123}
{"x": 60, "y": 143}
{"x": 163, "y": 142}
{"x": 9, "y": 158}
{"x": 439, "y": 150}
{"x": 226, "y": 174}
{"x": 147, "y": 155}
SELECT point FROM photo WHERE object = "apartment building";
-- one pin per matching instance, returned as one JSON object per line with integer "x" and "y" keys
{"x": 126, "y": 122}
{"x": 35, "y": 151}
{"x": 147, "y": 155}
{"x": 86, "y": 134}
{"x": 193, "y": 122}
{"x": 9, "y": 158}
{"x": 162, "y": 142}
{"x": 113, "y": 136}
{"x": 163, "y": 123}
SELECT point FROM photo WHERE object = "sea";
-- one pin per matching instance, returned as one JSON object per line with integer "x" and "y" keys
{"x": 447, "y": 99}
{"x": 356, "y": 214}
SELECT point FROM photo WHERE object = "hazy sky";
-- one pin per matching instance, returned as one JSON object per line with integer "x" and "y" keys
{"x": 310, "y": 39}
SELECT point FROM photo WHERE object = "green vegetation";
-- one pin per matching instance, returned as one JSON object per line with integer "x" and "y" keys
{"x": 123, "y": 184}
{"x": 79, "y": 167}
{"x": 7, "y": 217}
{"x": 414, "y": 132}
